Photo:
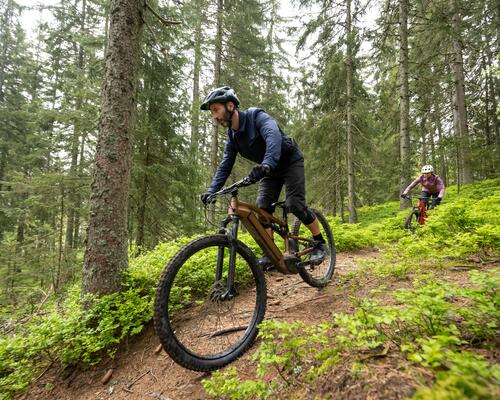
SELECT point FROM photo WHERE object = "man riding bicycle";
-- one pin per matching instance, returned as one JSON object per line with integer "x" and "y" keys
{"x": 257, "y": 137}
{"x": 432, "y": 186}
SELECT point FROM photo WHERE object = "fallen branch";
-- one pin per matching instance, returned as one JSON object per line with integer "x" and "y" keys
{"x": 136, "y": 379}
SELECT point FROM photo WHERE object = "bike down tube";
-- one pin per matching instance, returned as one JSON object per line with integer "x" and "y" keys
{"x": 260, "y": 235}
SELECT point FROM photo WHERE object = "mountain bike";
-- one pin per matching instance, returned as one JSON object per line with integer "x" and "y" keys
{"x": 212, "y": 294}
{"x": 418, "y": 213}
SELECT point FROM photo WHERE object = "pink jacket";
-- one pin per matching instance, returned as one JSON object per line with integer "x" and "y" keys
{"x": 433, "y": 184}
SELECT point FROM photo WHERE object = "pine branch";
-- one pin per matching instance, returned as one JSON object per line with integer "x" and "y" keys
{"x": 160, "y": 18}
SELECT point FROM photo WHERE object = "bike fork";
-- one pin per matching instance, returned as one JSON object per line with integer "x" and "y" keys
{"x": 232, "y": 235}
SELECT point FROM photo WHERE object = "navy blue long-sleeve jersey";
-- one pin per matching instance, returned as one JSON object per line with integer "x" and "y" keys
{"x": 258, "y": 139}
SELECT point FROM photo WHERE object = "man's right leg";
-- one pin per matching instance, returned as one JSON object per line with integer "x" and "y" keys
{"x": 296, "y": 201}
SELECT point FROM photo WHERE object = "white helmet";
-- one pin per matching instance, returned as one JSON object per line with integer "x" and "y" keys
{"x": 427, "y": 168}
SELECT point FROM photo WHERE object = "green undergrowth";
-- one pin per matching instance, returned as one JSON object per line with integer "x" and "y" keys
{"x": 433, "y": 324}
{"x": 443, "y": 327}
{"x": 63, "y": 333}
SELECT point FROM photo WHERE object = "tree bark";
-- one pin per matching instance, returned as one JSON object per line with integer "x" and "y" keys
{"x": 73, "y": 205}
{"x": 351, "y": 193}
{"x": 214, "y": 158}
{"x": 143, "y": 197}
{"x": 459, "y": 106}
{"x": 4, "y": 42}
{"x": 423, "y": 132}
{"x": 404, "y": 102}
{"x": 195, "y": 107}
{"x": 106, "y": 252}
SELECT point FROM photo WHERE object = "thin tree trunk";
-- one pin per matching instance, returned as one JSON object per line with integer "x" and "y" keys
{"x": 459, "y": 106}
{"x": 492, "y": 129}
{"x": 76, "y": 233}
{"x": 57, "y": 277}
{"x": 106, "y": 252}
{"x": 425, "y": 155}
{"x": 4, "y": 42}
{"x": 443, "y": 171}
{"x": 432, "y": 147}
{"x": 3, "y": 164}
{"x": 404, "y": 102}
{"x": 496, "y": 88}
{"x": 214, "y": 159}
{"x": 195, "y": 107}
{"x": 270, "y": 45}
{"x": 143, "y": 198}
{"x": 353, "y": 218}
{"x": 73, "y": 206}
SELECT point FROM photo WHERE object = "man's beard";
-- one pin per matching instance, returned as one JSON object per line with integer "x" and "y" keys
{"x": 225, "y": 121}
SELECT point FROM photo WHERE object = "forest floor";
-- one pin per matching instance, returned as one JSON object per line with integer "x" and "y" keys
{"x": 140, "y": 371}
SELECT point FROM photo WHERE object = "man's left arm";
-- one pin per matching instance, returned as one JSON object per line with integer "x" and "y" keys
{"x": 269, "y": 130}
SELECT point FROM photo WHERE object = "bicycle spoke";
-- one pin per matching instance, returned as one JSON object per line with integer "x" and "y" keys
{"x": 209, "y": 324}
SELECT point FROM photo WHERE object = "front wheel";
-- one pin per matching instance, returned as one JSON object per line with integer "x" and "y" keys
{"x": 201, "y": 324}
{"x": 412, "y": 220}
{"x": 317, "y": 275}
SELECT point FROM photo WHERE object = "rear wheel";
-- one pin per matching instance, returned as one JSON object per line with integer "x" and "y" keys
{"x": 317, "y": 275}
{"x": 200, "y": 324}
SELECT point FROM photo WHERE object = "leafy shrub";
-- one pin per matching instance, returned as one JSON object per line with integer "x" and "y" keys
{"x": 423, "y": 324}
{"x": 229, "y": 386}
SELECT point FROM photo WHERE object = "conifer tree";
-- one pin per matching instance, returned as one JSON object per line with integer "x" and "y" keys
{"x": 107, "y": 240}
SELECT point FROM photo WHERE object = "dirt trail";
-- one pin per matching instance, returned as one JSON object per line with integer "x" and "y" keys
{"x": 141, "y": 373}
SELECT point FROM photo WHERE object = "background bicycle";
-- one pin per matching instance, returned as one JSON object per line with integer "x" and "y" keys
{"x": 212, "y": 294}
{"x": 418, "y": 213}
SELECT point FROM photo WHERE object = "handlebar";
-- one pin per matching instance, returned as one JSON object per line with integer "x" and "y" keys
{"x": 232, "y": 188}
{"x": 409, "y": 197}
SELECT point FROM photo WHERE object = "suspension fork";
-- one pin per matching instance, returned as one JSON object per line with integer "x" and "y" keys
{"x": 231, "y": 272}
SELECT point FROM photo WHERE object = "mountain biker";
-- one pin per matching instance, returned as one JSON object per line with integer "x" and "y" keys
{"x": 257, "y": 137}
{"x": 432, "y": 186}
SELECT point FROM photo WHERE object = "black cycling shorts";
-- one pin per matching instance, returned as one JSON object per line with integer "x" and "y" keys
{"x": 292, "y": 177}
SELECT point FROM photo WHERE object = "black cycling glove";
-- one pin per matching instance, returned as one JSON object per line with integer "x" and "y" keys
{"x": 258, "y": 172}
{"x": 205, "y": 197}
{"x": 436, "y": 201}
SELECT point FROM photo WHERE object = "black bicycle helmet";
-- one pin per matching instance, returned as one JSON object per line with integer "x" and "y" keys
{"x": 220, "y": 95}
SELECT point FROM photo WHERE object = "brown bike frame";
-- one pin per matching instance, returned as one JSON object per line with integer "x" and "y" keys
{"x": 254, "y": 225}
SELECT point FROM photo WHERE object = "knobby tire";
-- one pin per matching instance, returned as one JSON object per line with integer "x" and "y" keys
{"x": 193, "y": 309}
{"x": 412, "y": 220}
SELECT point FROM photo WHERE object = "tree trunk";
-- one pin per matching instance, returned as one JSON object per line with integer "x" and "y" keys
{"x": 443, "y": 170}
{"x": 425, "y": 154}
{"x": 404, "y": 102}
{"x": 459, "y": 106}
{"x": 195, "y": 107}
{"x": 106, "y": 252}
{"x": 78, "y": 198}
{"x": 432, "y": 147}
{"x": 353, "y": 218}
{"x": 143, "y": 197}
{"x": 214, "y": 158}
{"x": 496, "y": 88}
{"x": 75, "y": 144}
{"x": 4, "y": 42}
{"x": 56, "y": 279}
